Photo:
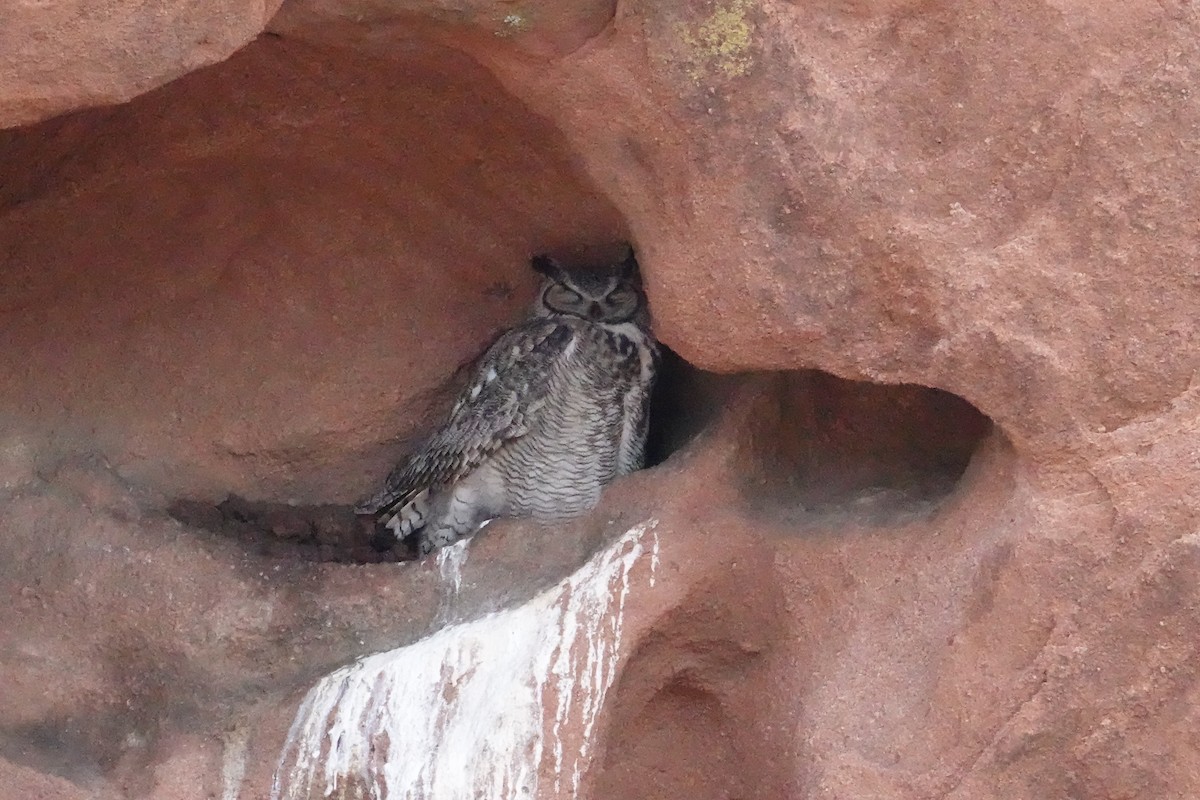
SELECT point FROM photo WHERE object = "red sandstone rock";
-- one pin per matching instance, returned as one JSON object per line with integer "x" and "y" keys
{"x": 57, "y": 57}
{"x": 258, "y": 279}
{"x": 286, "y": 269}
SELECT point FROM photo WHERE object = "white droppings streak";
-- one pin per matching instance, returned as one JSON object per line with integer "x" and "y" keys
{"x": 653, "y": 560}
{"x": 477, "y": 708}
{"x": 233, "y": 762}
{"x": 450, "y": 563}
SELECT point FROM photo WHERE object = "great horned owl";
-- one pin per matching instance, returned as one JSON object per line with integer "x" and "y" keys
{"x": 556, "y": 408}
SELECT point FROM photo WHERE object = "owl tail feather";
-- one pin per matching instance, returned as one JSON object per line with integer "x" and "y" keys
{"x": 411, "y": 516}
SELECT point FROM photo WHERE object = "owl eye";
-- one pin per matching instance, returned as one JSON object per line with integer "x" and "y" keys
{"x": 622, "y": 296}
{"x": 559, "y": 295}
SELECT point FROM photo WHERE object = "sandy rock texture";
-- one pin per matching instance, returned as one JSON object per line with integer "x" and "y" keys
{"x": 929, "y": 525}
{"x": 57, "y": 57}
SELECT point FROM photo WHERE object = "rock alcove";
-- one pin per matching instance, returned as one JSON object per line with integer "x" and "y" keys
{"x": 258, "y": 278}
{"x": 245, "y": 293}
{"x": 285, "y": 255}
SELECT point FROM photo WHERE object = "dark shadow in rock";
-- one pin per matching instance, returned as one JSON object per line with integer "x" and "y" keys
{"x": 810, "y": 444}
{"x": 686, "y": 401}
{"x": 325, "y": 533}
{"x": 819, "y": 446}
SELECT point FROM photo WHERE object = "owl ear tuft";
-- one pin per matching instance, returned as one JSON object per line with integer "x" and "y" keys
{"x": 547, "y": 266}
{"x": 629, "y": 267}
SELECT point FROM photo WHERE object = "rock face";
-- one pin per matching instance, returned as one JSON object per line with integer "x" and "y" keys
{"x": 57, "y": 57}
{"x": 964, "y": 567}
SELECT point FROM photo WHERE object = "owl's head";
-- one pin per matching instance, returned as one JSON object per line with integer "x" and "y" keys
{"x": 611, "y": 295}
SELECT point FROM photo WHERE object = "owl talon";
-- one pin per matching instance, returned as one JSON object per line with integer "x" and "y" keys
{"x": 428, "y": 542}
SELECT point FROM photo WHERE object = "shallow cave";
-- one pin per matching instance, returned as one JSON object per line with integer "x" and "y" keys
{"x": 256, "y": 280}
{"x": 811, "y": 445}
{"x": 251, "y": 290}
{"x": 820, "y": 445}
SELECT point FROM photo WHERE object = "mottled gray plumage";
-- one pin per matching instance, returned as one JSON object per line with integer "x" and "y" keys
{"x": 556, "y": 408}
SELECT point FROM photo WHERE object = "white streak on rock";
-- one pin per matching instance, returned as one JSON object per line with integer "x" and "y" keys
{"x": 450, "y": 563}
{"x": 653, "y": 560}
{"x": 476, "y": 709}
{"x": 233, "y": 761}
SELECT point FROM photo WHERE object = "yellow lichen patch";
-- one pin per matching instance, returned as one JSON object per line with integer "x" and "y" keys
{"x": 721, "y": 42}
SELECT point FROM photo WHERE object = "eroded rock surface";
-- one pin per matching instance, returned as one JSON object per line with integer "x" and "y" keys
{"x": 57, "y": 57}
{"x": 259, "y": 279}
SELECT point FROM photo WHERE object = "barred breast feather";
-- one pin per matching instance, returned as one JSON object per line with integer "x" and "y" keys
{"x": 504, "y": 397}
{"x": 554, "y": 410}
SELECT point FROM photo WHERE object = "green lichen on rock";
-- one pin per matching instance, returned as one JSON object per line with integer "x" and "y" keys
{"x": 721, "y": 42}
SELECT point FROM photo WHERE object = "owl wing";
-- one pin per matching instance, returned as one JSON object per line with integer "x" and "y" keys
{"x": 508, "y": 388}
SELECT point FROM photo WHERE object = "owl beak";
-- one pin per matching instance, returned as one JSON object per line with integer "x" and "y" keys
{"x": 594, "y": 312}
